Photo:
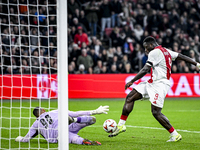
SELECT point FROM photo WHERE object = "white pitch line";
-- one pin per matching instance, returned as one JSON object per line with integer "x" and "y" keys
{"x": 166, "y": 111}
{"x": 142, "y": 127}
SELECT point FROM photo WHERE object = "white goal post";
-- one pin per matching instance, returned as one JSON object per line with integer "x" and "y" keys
{"x": 62, "y": 75}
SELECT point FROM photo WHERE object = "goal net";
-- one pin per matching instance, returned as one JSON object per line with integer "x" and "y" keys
{"x": 28, "y": 58}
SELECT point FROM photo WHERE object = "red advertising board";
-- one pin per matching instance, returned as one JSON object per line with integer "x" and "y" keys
{"x": 89, "y": 86}
{"x": 112, "y": 86}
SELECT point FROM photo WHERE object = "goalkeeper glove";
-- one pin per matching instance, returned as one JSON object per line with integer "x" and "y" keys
{"x": 18, "y": 139}
{"x": 100, "y": 110}
{"x": 198, "y": 65}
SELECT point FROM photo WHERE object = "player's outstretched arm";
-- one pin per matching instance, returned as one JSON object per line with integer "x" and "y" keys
{"x": 141, "y": 73}
{"x": 188, "y": 59}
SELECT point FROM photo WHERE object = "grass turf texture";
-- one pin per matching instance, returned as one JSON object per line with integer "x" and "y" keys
{"x": 183, "y": 114}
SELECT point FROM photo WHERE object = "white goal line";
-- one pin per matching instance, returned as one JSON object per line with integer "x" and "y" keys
{"x": 155, "y": 128}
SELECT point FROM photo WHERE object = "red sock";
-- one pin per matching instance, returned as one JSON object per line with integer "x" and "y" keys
{"x": 123, "y": 117}
{"x": 171, "y": 130}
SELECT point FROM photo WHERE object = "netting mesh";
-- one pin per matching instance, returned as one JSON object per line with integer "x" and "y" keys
{"x": 28, "y": 74}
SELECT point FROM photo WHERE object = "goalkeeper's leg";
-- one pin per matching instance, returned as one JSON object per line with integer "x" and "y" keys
{"x": 85, "y": 119}
{"x": 81, "y": 122}
{"x": 74, "y": 128}
{"x": 76, "y": 139}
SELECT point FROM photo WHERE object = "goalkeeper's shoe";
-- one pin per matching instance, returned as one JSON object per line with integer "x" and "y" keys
{"x": 119, "y": 129}
{"x": 175, "y": 138}
{"x": 70, "y": 119}
{"x": 88, "y": 142}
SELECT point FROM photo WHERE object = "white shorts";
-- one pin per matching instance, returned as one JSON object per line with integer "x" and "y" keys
{"x": 155, "y": 92}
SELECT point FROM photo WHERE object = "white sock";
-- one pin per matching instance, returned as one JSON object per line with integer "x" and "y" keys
{"x": 121, "y": 122}
{"x": 174, "y": 133}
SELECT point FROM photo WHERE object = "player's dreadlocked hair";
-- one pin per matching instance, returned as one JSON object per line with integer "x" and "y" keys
{"x": 149, "y": 39}
{"x": 36, "y": 111}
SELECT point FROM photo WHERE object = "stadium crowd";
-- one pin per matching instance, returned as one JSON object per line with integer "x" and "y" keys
{"x": 104, "y": 36}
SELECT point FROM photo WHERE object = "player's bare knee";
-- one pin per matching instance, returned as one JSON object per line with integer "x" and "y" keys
{"x": 129, "y": 98}
{"x": 155, "y": 113}
{"x": 93, "y": 120}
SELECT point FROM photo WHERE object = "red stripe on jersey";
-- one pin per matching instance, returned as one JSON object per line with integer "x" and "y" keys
{"x": 151, "y": 80}
{"x": 168, "y": 60}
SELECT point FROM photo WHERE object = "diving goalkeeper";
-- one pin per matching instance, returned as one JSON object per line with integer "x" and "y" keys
{"x": 46, "y": 124}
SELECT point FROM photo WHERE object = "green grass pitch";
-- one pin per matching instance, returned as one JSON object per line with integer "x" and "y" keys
{"x": 143, "y": 131}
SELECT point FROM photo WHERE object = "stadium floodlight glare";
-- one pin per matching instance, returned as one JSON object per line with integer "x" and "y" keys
{"x": 28, "y": 73}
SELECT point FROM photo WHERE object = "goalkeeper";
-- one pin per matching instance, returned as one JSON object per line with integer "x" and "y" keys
{"x": 46, "y": 124}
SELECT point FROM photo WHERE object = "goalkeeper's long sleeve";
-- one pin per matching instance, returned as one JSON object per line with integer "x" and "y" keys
{"x": 79, "y": 113}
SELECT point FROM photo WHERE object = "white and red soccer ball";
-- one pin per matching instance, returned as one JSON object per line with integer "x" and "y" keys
{"x": 110, "y": 126}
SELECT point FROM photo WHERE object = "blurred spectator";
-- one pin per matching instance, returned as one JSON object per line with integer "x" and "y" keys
{"x": 193, "y": 68}
{"x": 161, "y": 5}
{"x": 75, "y": 53}
{"x": 77, "y": 13}
{"x": 127, "y": 30}
{"x": 41, "y": 16}
{"x": 104, "y": 70}
{"x": 53, "y": 66}
{"x": 115, "y": 62}
{"x": 104, "y": 57}
{"x": 93, "y": 56}
{"x": 72, "y": 6}
{"x": 71, "y": 69}
{"x": 35, "y": 63}
{"x": 85, "y": 59}
{"x": 181, "y": 67}
{"x": 138, "y": 32}
{"x": 81, "y": 69}
{"x": 154, "y": 21}
{"x": 25, "y": 68}
{"x": 84, "y": 21}
{"x": 81, "y": 37}
{"x": 115, "y": 36}
{"x": 174, "y": 69}
{"x": 98, "y": 68}
{"x": 186, "y": 49}
{"x": 168, "y": 39}
{"x": 105, "y": 11}
{"x": 110, "y": 54}
{"x": 128, "y": 46}
{"x": 127, "y": 69}
{"x": 92, "y": 17}
{"x": 113, "y": 69}
{"x": 45, "y": 69}
{"x": 140, "y": 18}
{"x": 77, "y": 24}
{"x": 119, "y": 53}
{"x": 90, "y": 70}
{"x": 34, "y": 38}
{"x": 116, "y": 9}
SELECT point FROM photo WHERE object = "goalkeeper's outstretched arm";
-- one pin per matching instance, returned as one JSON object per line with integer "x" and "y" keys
{"x": 99, "y": 110}
{"x": 31, "y": 134}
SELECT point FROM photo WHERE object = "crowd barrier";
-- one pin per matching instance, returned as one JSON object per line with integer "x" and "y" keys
{"x": 89, "y": 86}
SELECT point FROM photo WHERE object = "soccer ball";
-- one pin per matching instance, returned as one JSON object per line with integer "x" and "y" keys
{"x": 110, "y": 126}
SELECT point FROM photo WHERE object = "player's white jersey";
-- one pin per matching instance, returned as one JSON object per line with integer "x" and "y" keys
{"x": 160, "y": 59}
